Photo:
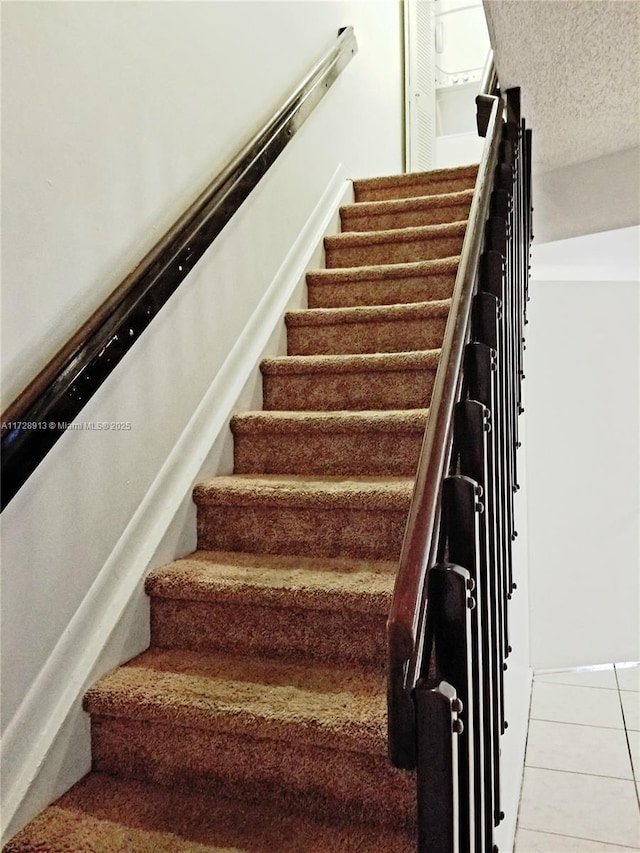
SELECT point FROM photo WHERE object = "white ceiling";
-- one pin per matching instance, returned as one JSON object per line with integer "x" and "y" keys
{"x": 577, "y": 63}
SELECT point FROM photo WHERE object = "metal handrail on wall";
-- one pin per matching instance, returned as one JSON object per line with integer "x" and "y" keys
{"x": 34, "y": 422}
{"x": 448, "y": 634}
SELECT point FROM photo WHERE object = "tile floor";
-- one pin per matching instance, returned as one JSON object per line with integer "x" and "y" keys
{"x": 581, "y": 787}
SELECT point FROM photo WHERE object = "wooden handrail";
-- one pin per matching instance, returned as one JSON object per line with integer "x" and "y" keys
{"x": 34, "y": 422}
{"x": 488, "y": 88}
{"x": 407, "y": 605}
{"x": 489, "y": 80}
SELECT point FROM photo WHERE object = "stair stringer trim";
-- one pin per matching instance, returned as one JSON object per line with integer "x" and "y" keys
{"x": 99, "y": 635}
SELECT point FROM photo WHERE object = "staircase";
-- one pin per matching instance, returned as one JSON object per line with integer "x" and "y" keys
{"x": 257, "y": 718}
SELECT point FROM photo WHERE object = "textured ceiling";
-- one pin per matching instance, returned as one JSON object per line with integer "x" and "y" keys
{"x": 577, "y": 63}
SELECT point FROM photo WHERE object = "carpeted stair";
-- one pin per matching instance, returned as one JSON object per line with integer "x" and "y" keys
{"x": 256, "y": 721}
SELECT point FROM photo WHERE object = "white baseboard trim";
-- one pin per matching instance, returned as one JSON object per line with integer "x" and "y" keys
{"x": 72, "y": 665}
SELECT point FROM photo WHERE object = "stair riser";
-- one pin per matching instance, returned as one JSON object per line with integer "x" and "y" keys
{"x": 333, "y": 636}
{"x": 367, "y": 454}
{"x": 413, "y": 190}
{"x": 323, "y": 532}
{"x": 393, "y": 252}
{"x": 327, "y": 783}
{"x": 355, "y": 221}
{"x": 409, "y": 389}
{"x": 386, "y": 336}
{"x": 385, "y": 292}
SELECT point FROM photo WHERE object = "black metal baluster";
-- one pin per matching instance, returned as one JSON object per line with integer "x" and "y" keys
{"x": 472, "y": 424}
{"x": 528, "y": 210}
{"x": 491, "y": 284}
{"x": 504, "y": 181}
{"x": 463, "y": 652}
{"x": 519, "y": 241}
{"x": 437, "y": 708}
{"x": 460, "y": 508}
{"x": 498, "y": 240}
{"x": 480, "y": 373}
{"x": 449, "y": 618}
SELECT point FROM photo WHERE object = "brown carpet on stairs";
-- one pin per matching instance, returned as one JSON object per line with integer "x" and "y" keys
{"x": 256, "y": 721}
{"x": 399, "y": 380}
{"x": 107, "y": 814}
{"x": 366, "y": 329}
{"x": 379, "y": 443}
{"x": 436, "y": 182}
{"x": 404, "y": 213}
{"x": 386, "y": 284}
{"x": 394, "y": 246}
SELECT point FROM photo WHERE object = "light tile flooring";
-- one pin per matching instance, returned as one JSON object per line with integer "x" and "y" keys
{"x": 581, "y": 788}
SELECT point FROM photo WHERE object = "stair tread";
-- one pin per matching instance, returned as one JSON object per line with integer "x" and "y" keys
{"x": 395, "y": 235}
{"x": 384, "y": 271}
{"x": 332, "y": 421}
{"x": 402, "y": 205}
{"x": 409, "y": 178}
{"x": 106, "y": 814}
{"x": 268, "y": 580}
{"x": 318, "y": 704}
{"x": 370, "y": 493}
{"x": 369, "y": 313}
{"x": 358, "y": 363}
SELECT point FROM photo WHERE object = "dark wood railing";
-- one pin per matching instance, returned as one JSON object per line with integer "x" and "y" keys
{"x": 35, "y": 421}
{"x": 448, "y": 626}
{"x": 488, "y": 89}
{"x": 405, "y": 619}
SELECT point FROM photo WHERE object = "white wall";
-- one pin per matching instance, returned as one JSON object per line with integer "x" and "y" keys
{"x": 583, "y": 397}
{"x": 517, "y": 677}
{"x": 458, "y": 149}
{"x": 114, "y": 117}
